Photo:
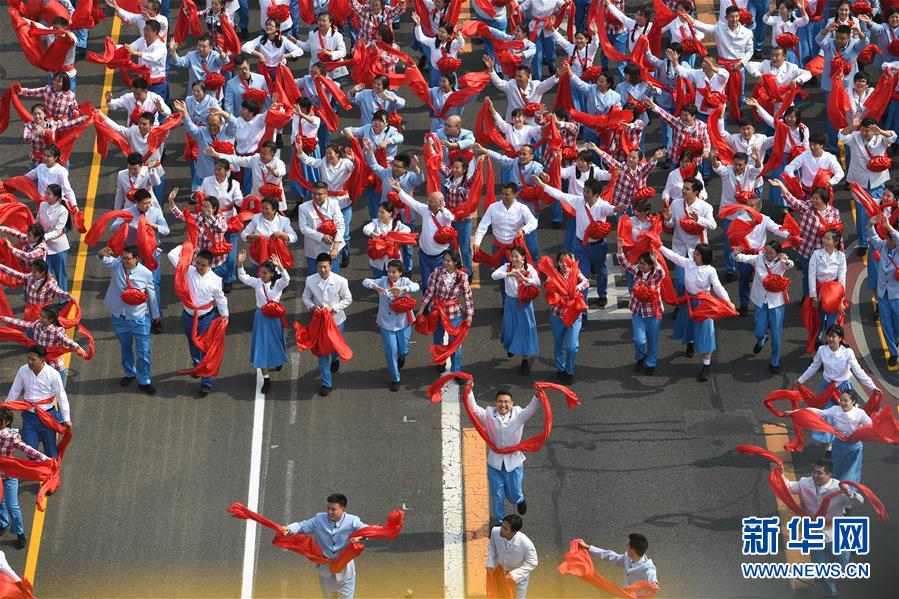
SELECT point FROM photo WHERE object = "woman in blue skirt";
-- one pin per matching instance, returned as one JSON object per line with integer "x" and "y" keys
{"x": 386, "y": 222}
{"x": 268, "y": 350}
{"x": 519, "y": 335}
{"x": 394, "y": 317}
{"x": 699, "y": 277}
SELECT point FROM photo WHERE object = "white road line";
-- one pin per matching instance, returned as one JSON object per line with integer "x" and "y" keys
{"x": 453, "y": 521}
{"x": 249, "y": 546}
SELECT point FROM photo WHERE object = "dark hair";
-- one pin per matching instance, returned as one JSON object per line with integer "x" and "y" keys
{"x": 52, "y": 150}
{"x": 695, "y": 184}
{"x": 636, "y": 541}
{"x": 676, "y": 47}
{"x": 517, "y": 112}
{"x": 385, "y": 33}
{"x": 450, "y": 78}
{"x": 821, "y": 192}
{"x": 775, "y": 245}
{"x": 397, "y": 264}
{"x": 844, "y": 29}
{"x": 141, "y": 194}
{"x": 139, "y": 83}
{"x": 524, "y": 68}
{"x": 212, "y": 201}
{"x": 731, "y": 10}
{"x": 745, "y": 123}
{"x": 204, "y": 38}
{"x": 837, "y": 330}
{"x": 154, "y": 26}
{"x": 39, "y": 264}
{"x": 511, "y": 186}
{"x": 271, "y": 203}
{"x": 594, "y": 186}
{"x": 381, "y": 115}
{"x": 52, "y": 313}
{"x": 135, "y": 159}
{"x": 838, "y": 237}
{"x": 240, "y": 59}
{"x": 131, "y": 249}
{"x": 798, "y": 114}
{"x": 647, "y": 258}
{"x": 323, "y": 257}
{"x": 39, "y": 105}
{"x": 37, "y": 231}
{"x": 64, "y": 78}
{"x": 269, "y": 145}
{"x": 6, "y": 417}
{"x": 632, "y": 69}
{"x": 690, "y": 109}
{"x": 852, "y": 395}
{"x": 609, "y": 76}
{"x": 643, "y": 205}
{"x": 253, "y": 106}
{"x": 868, "y": 122}
{"x": 448, "y": 27}
{"x": 403, "y": 159}
{"x": 338, "y": 498}
{"x": 705, "y": 252}
{"x": 824, "y": 463}
{"x": 515, "y": 522}
{"x": 270, "y": 266}
{"x": 520, "y": 250}
{"x": 741, "y": 156}
{"x": 505, "y": 390}
{"x": 205, "y": 255}
{"x": 55, "y": 189}
{"x": 149, "y": 116}
{"x": 456, "y": 257}
{"x": 383, "y": 79}
{"x": 817, "y": 138}
{"x": 38, "y": 350}
{"x": 263, "y": 37}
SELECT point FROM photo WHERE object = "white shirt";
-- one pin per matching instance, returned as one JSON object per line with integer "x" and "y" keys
{"x": 733, "y": 44}
{"x": 376, "y": 227}
{"x": 153, "y": 104}
{"x": 681, "y": 241}
{"x": 273, "y": 290}
{"x": 205, "y": 289}
{"x": 505, "y": 222}
{"x": 779, "y": 26}
{"x": 272, "y": 53}
{"x": 139, "y": 143}
{"x": 517, "y": 556}
{"x": 428, "y": 227}
{"x": 139, "y": 21}
{"x": 731, "y": 182}
{"x": 679, "y": 29}
{"x": 759, "y": 234}
{"x": 674, "y": 187}
{"x": 248, "y": 134}
{"x": 758, "y": 295}
{"x": 146, "y": 178}
{"x": 837, "y": 366}
{"x": 515, "y": 97}
{"x": 577, "y": 178}
{"x": 36, "y": 387}
{"x": 784, "y": 74}
{"x": 697, "y": 77}
{"x": 511, "y": 283}
{"x": 334, "y": 176}
{"x": 579, "y": 59}
{"x": 227, "y": 192}
{"x": 808, "y": 166}
{"x": 153, "y": 56}
{"x": 857, "y": 102}
{"x": 309, "y": 221}
{"x": 308, "y": 128}
{"x": 53, "y": 219}
{"x": 845, "y": 423}
{"x": 697, "y": 278}
{"x": 264, "y": 228}
{"x": 333, "y": 291}
{"x": 261, "y": 176}
{"x": 333, "y": 42}
{"x": 504, "y": 431}
{"x": 861, "y": 152}
{"x": 634, "y": 571}
{"x": 811, "y": 496}
{"x": 44, "y": 176}
{"x": 825, "y": 267}
{"x": 436, "y": 54}
{"x": 264, "y": 5}
{"x": 600, "y": 209}
{"x": 517, "y": 137}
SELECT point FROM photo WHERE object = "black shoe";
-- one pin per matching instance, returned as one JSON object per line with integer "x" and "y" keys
{"x": 760, "y": 345}
{"x": 561, "y": 375}
{"x": 324, "y": 391}
{"x": 775, "y": 369}
{"x": 525, "y": 368}
{"x": 602, "y": 302}
{"x": 522, "y": 508}
{"x": 203, "y": 391}
{"x": 690, "y": 351}
{"x": 227, "y": 287}
{"x": 674, "y": 313}
{"x": 156, "y": 327}
{"x": 860, "y": 252}
{"x": 556, "y": 225}
{"x": 80, "y": 53}
{"x": 569, "y": 378}
{"x": 509, "y": 354}
{"x": 730, "y": 277}
{"x": 126, "y": 380}
{"x": 400, "y": 362}
{"x": 638, "y": 366}
{"x": 703, "y": 375}
{"x": 335, "y": 365}
{"x": 650, "y": 370}
{"x": 266, "y": 385}
{"x": 344, "y": 260}
{"x": 891, "y": 361}
{"x": 744, "y": 310}
{"x": 827, "y": 454}
{"x": 148, "y": 389}
{"x": 394, "y": 386}
{"x": 21, "y": 541}
{"x": 278, "y": 368}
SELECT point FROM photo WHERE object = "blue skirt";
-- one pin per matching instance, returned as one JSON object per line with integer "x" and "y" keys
{"x": 847, "y": 460}
{"x": 702, "y": 334}
{"x": 267, "y": 349}
{"x": 519, "y": 334}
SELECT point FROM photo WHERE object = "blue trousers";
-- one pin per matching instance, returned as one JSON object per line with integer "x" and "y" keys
{"x": 34, "y": 432}
{"x": 134, "y": 333}
{"x": 646, "y": 338}
{"x": 593, "y": 257}
{"x": 504, "y": 485}
{"x": 324, "y": 364}
{"x": 163, "y": 90}
{"x": 747, "y": 273}
{"x": 500, "y": 24}
{"x": 758, "y": 8}
{"x": 565, "y": 342}
{"x": 570, "y": 230}
{"x": 331, "y": 587}
{"x": 730, "y": 265}
{"x": 227, "y": 270}
{"x": 427, "y": 264}
{"x": 464, "y": 229}
{"x": 546, "y": 50}
{"x": 889, "y": 322}
{"x": 187, "y": 322}
{"x": 826, "y": 556}
{"x": 861, "y": 216}
{"x": 56, "y": 265}
{"x": 803, "y": 263}
{"x": 807, "y": 34}
{"x": 243, "y": 13}
{"x": 580, "y": 15}
{"x": 439, "y": 332}
{"x": 10, "y": 514}
{"x": 157, "y": 281}
{"x": 294, "y": 16}
{"x": 164, "y": 8}
{"x": 373, "y": 199}
{"x": 619, "y": 41}
{"x": 892, "y": 115}
{"x": 347, "y": 219}
{"x": 396, "y": 345}
{"x": 770, "y": 319}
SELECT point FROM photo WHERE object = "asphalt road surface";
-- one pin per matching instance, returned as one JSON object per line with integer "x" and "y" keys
{"x": 147, "y": 480}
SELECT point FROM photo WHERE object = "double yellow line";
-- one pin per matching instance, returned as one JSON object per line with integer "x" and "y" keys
{"x": 37, "y": 525}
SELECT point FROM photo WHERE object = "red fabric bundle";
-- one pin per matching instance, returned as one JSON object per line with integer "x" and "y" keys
{"x": 690, "y": 226}
{"x": 739, "y": 228}
{"x": 188, "y": 22}
{"x": 781, "y": 132}
{"x": 449, "y": 64}
{"x": 278, "y": 12}
{"x": 117, "y": 57}
{"x": 597, "y": 230}
{"x": 146, "y": 242}
{"x": 107, "y": 135}
{"x": 23, "y": 185}
{"x": 16, "y": 216}
{"x": 388, "y": 244}
{"x": 256, "y": 95}
{"x": 693, "y": 46}
{"x": 725, "y": 152}
{"x": 578, "y": 563}
{"x": 433, "y": 158}
{"x": 446, "y": 234}
{"x": 787, "y": 41}
{"x": 15, "y": 589}
{"x": 883, "y": 428}
{"x": 792, "y": 227}
{"x": 879, "y": 99}
{"x": 879, "y": 164}
{"x": 564, "y": 98}
{"x": 52, "y": 58}
{"x": 134, "y": 297}
{"x": 611, "y": 120}
{"x": 527, "y": 293}
{"x": 470, "y": 85}
{"x": 323, "y": 87}
{"x": 645, "y": 294}
{"x": 562, "y": 292}
{"x": 794, "y": 186}
{"x": 263, "y": 248}
{"x": 307, "y": 11}
{"x": 893, "y": 47}
{"x": 322, "y": 336}
{"x": 838, "y": 101}
{"x": 831, "y": 298}
{"x": 10, "y": 97}
{"x": 486, "y": 131}
{"x": 709, "y": 307}
{"x": 117, "y": 241}
{"x": 498, "y": 586}
{"x": 214, "y": 81}
{"x": 776, "y": 283}
{"x": 501, "y": 254}
{"x": 861, "y": 8}
{"x": 531, "y": 444}
{"x": 273, "y": 310}
{"x": 270, "y": 190}
{"x": 608, "y": 49}
{"x": 191, "y": 150}
{"x": 481, "y": 185}
{"x": 327, "y": 227}
{"x": 51, "y": 483}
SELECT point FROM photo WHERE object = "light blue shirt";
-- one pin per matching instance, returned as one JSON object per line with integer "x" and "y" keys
{"x": 199, "y": 111}
{"x": 234, "y": 91}
{"x": 368, "y": 103}
{"x": 849, "y": 54}
{"x": 637, "y": 92}
{"x": 193, "y": 62}
{"x": 331, "y": 537}
{"x": 595, "y": 102}
{"x": 887, "y": 285}
{"x": 154, "y": 215}
{"x": 389, "y": 133}
{"x": 408, "y": 182}
{"x": 141, "y": 278}
{"x": 205, "y": 165}
{"x": 438, "y": 97}
{"x": 387, "y": 318}
{"x": 465, "y": 139}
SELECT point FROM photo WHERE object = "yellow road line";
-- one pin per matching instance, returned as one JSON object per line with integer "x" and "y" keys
{"x": 477, "y": 512}
{"x": 37, "y": 525}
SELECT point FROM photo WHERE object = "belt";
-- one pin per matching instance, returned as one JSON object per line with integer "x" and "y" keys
{"x": 212, "y": 312}
{"x": 591, "y": 243}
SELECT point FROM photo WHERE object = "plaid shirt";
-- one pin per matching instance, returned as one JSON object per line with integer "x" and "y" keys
{"x": 39, "y": 292}
{"x": 629, "y": 181}
{"x": 582, "y": 284}
{"x": 652, "y": 279}
{"x": 11, "y": 440}
{"x": 60, "y": 105}
{"x": 369, "y": 22}
{"x": 634, "y": 133}
{"x": 29, "y": 252}
{"x": 679, "y": 135}
{"x": 47, "y": 336}
{"x": 455, "y": 191}
{"x": 809, "y": 222}
{"x": 208, "y": 233}
{"x": 612, "y": 29}
{"x": 445, "y": 287}
{"x": 51, "y": 128}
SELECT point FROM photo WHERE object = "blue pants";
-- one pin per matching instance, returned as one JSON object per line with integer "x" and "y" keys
{"x": 570, "y": 230}
{"x": 666, "y": 101}
{"x": 565, "y": 342}
{"x": 504, "y": 485}
{"x": 646, "y": 338}
{"x": 889, "y": 322}
{"x": 246, "y": 184}
{"x": 758, "y": 8}
{"x": 593, "y": 257}
{"x": 227, "y": 270}
{"x": 892, "y": 115}
{"x": 136, "y": 332}
{"x": 324, "y": 364}
{"x": 294, "y": 16}
{"x": 373, "y": 199}
{"x": 747, "y": 273}
{"x": 803, "y": 263}
{"x": 439, "y": 332}
{"x": 427, "y": 264}
{"x": 770, "y": 319}
{"x": 80, "y": 34}
{"x": 310, "y": 262}
{"x": 546, "y": 50}
{"x": 826, "y": 556}
{"x": 56, "y": 265}
{"x": 580, "y": 15}
{"x": 243, "y": 13}
{"x": 157, "y": 281}
{"x": 187, "y": 322}
{"x": 861, "y": 216}
{"x": 463, "y": 227}
{"x": 10, "y": 514}
{"x": 163, "y": 90}
{"x": 832, "y": 140}
{"x": 730, "y": 265}
{"x": 331, "y": 587}
{"x": 34, "y": 432}
{"x": 500, "y": 24}
{"x": 396, "y": 345}
{"x": 619, "y": 41}
{"x": 164, "y": 8}
{"x": 807, "y": 34}
{"x": 347, "y": 219}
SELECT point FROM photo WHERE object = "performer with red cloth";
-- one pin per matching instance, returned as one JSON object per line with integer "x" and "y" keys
{"x": 267, "y": 229}
{"x": 827, "y": 282}
{"x": 58, "y": 97}
{"x": 448, "y": 294}
{"x": 638, "y": 568}
{"x": 31, "y": 243}
{"x": 646, "y": 307}
{"x": 521, "y": 91}
{"x": 511, "y": 557}
{"x": 150, "y": 52}
{"x": 321, "y": 224}
{"x": 786, "y": 29}
{"x": 735, "y": 49}
{"x": 395, "y": 316}
{"x": 522, "y": 286}
{"x": 883, "y": 261}
{"x": 565, "y": 286}
{"x": 327, "y": 291}
{"x": 11, "y": 440}
{"x": 437, "y": 235}
{"x": 47, "y": 331}
{"x": 687, "y": 132}
{"x": 43, "y": 131}
{"x": 791, "y": 138}
{"x": 379, "y": 231}
{"x": 53, "y": 216}
{"x": 691, "y": 219}
{"x": 40, "y": 288}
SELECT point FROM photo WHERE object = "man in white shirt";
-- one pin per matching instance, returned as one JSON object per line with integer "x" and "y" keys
{"x": 313, "y": 218}
{"x": 326, "y": 290}
{"x": 138, "y": 101}
{"x": 265, "y": 166}
{"x": 205, "y": 288}
{"x": 504, "y": 423}
{"x": 637, "y": 567}
{"x": 149, "y": 12}
{"x": 738, "y": 184}
{"x": 813, "y": 160}
{"x": 682, "y": 242}
{"x": 522, "y": 90}
{"x": 706, "y": 79}
{"x": 150, "y": 52}
{"x": 41, "y": 385}
{"x": 735, "y": 45}
{"x": 326, "y": 42}
{"x": 508, "y": 219}
{"x": 434, "y": 216}
{"x": 136, "y": 176}
{"x": 513, "y": 553}
{"x": 784, "y": 71}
